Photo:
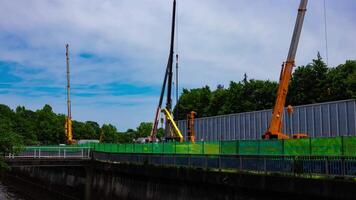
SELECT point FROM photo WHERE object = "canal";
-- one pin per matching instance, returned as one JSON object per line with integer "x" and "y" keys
{"x": 7, "y": 193}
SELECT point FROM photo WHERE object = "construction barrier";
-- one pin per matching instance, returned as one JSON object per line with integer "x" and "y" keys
{"x": 332, "y": 146}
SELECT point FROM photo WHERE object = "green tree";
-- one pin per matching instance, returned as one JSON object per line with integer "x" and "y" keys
{"x": 144, "y": 129}
{"x": 308, "y": 83}
{"x": 194, "y": 100}
{"x": 110, "y": 133}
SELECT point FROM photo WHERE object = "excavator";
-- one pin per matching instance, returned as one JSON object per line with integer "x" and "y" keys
{"x": 275, "y": 127}
{"x": 172, "y": 131}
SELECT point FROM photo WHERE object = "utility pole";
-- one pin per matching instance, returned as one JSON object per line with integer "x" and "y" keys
{"x": 68, "y": 124}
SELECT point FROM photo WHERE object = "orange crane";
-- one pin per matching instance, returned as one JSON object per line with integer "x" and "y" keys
{"x": 68, "y": 123}
{"x": 190, "y": 125}
{"x": 275, "y": 127}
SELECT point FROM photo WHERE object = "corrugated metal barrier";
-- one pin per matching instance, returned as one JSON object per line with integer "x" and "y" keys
{"x": 318, "y": 120}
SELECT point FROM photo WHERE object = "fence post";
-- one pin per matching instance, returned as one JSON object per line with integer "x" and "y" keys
{"x": 64, "y": 153}
{"x": 326, "y": 165}
{"x": 34, "y": 156}
{"x": 264, "y": 164}
{"x": 82, "y": 153}
{"x": 39, "y": 153}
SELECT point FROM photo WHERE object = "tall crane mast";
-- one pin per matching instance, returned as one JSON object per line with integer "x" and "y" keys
{"x": 68, "y": 123}
{"x": 275, "y": 127}
{"x": 168, "y": 75}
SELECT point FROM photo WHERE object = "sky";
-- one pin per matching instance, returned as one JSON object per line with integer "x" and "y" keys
{"x": 119, "y": 49}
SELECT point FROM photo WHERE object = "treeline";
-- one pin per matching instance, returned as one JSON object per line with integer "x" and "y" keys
{"x": 26, "y": 127}
{"x": 312, "y": 83}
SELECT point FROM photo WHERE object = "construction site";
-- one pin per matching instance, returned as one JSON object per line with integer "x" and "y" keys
{"x": 279, "y": 150}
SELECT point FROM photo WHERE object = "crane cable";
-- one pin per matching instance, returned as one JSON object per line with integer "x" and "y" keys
{"x": 326, "y": 35}
{"x": 177, "y": 51}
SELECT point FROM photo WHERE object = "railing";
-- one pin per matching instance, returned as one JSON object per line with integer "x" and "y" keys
{"x": 52, "y": 152}
{"x": 339, "y": 166}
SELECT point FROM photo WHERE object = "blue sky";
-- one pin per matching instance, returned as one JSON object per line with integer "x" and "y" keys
{"x": 119, "y": 49}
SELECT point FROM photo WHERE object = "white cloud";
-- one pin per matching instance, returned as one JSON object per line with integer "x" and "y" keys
{"x": 218, "y": 41}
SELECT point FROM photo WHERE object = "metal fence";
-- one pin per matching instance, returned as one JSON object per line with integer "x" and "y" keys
{"x": 52, "y": 152}
{"x": 318, "y": 120}
{"x": 294, "y": 165}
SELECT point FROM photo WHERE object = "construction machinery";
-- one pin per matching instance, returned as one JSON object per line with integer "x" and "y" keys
{"x": 171, "y": 129}
{"x": 68, "y": 119}
{"x": 275, "y": 127}
{"x": 190, "y": 125}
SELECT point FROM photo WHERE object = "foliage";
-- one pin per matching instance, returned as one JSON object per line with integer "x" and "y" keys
{"x": 313, "y": 83}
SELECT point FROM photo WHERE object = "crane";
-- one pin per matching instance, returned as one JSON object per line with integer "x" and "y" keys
{"x": 190, "y": 126}
{"x": 171, "y": 128}
{"x": 68, "y": 120}
{"x": 275, "y": 127}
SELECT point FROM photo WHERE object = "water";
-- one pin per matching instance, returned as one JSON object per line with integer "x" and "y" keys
{"x": 7, "y": 193}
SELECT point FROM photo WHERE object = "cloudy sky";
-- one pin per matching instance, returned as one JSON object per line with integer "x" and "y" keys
{"x": 119, "y": 49}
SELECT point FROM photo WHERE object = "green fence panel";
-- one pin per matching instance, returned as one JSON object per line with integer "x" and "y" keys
{"x": 295, "y": 147}
{"x": 147, "y": 148}
{"x": 249, "y": 147}
{"x": 138, "y": 148}
{"x": 169, "y": 148}
{"x": 182, "y": 148}
{"x": 326, "y": 146}
{"x": 157, "y": 148}
{"x": 129, "y": 148}
{"x": 229, "y": 147}
{"x": 271, "y": 147}
{"x": 211, "y": 147}
{"x": 349, "y": 146}
{"x": 121, "y": 148}
{"x": 196, "y": 148}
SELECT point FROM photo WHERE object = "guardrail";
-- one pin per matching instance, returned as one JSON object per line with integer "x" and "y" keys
{"x": 52, "y": 152}
{"x": 340, "y": 166}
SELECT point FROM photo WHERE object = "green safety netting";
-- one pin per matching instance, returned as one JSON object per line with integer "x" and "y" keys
{"x": 138, "y": 148}
{"x": 147, "y": 148}
{"x": 297, "y": 147}
{"x": 349, "y": 146}
{"x": 229, "y": 147}
{"x": 169, "y": 148}
{"x": 121, "y": 148}
{"x": 212, "y": 148}
{"x": 129, "y": 148}
{"x": 196, "y": 148}
{"x": 326, "y": 146}
{"x": 157, "y": 147}
{"x": 182, "y": 148}
{"x": 249, "y": 147}
{"x": 271, "y": 147}
{"x": 309, "y": 146}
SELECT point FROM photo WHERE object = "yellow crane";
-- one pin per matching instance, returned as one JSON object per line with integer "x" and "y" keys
{"x": 68, "y": 119}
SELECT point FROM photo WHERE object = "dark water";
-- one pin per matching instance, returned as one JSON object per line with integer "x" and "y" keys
{"x": 6, "y": 193}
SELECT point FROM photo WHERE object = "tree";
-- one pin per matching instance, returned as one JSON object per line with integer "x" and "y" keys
{"x": 110, "y": 133}
{"x": 194, "y": 100}
{"x": 144, "y": 129}
{"x": 308, "y": 83}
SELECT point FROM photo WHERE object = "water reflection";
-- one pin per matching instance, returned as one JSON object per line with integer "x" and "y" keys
{"x": 7, "y": 193}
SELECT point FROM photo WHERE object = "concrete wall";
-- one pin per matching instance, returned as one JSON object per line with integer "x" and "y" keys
{"x": 112, "y": 181}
